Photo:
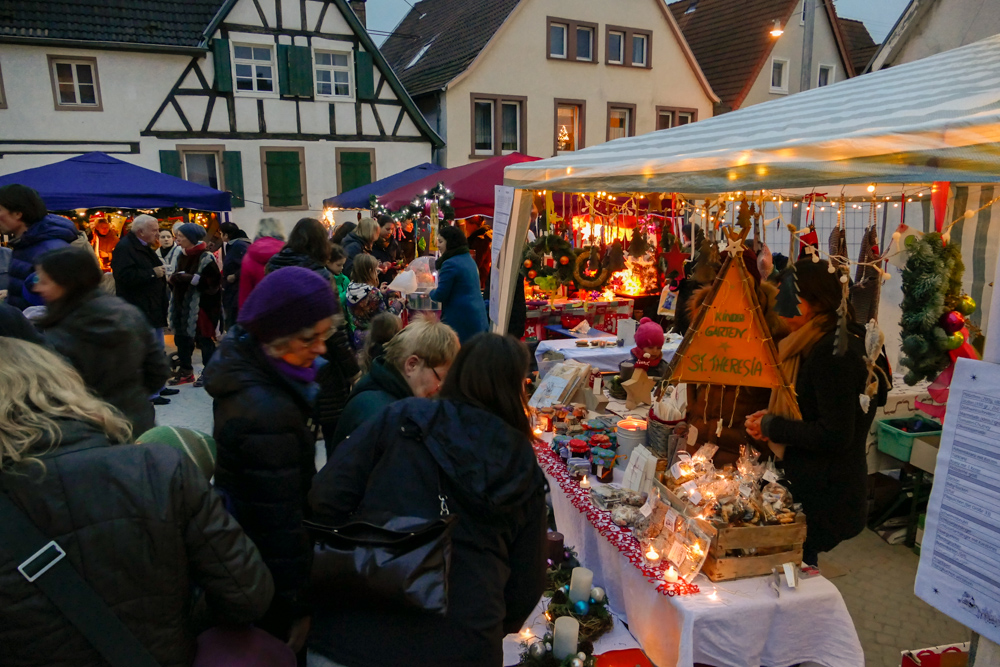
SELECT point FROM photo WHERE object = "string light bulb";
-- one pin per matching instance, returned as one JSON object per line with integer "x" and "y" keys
{"x": 871, "y": 188}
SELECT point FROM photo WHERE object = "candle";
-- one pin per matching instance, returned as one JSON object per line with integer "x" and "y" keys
{"x": 538, "y": 432}
{"x": 584, "y": 483}
{"x": 527, "y": 634}
{"x": 670, "y": 576}
{"x": 714, "y": 595}
{"x": 566, "y": 636}
{"x": 554, "y": 550}
{"x": 580, "y": 584}
{"x": 652, "y": 556}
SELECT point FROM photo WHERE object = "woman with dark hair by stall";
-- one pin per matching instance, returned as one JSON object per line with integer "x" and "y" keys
{"x": 823, "y": 452}
{"x": 107, "y": 340}
{"x": 462, "y": 306}
{"x": 308, "y": 246}
{"x": 473, "y": 448}
{"x": 343, "y": 229}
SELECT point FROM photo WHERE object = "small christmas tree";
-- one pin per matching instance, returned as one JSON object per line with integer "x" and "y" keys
{"x": 563, "y": 138}
{"x": 787, "y": 303}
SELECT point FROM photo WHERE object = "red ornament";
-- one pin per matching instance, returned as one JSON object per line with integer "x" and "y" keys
{"x": 527, "y": 263}
{"x": 675, "y": 259}
{"x": 564, "y": 260}
{"x": 532, "y": 274}
{"x": 952, "y": 322}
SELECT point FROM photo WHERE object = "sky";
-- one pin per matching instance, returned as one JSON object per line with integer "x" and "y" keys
{"x": 878, "y": 15}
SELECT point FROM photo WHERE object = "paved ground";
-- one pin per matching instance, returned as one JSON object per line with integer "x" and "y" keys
{"x": 877, "y": 579}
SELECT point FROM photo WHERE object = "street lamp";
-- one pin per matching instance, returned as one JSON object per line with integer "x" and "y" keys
{"x": 777, "y": 30}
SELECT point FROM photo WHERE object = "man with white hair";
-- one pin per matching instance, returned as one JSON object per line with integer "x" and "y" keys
{"x": 140, "y": 278}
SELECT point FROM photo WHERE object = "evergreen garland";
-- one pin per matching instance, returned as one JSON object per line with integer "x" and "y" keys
{"x": 415, "y": 209}
{"x": 533, "y": 265}
{"x": 932, "y": 283}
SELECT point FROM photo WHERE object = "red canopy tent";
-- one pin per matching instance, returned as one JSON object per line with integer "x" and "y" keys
{"x": 472, "y": 185}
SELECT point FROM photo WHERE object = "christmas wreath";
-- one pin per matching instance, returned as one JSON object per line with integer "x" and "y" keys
{"x": 933, "y": 306}
{"x": 533, "y": 263}
{"x": 589, "y": 274}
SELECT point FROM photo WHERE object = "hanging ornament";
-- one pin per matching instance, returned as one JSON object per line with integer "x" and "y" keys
{"x": 528, "y": 263}
{"x": 614, "y": 260}
{"x": 639, "y": 245}
{"x": 952, "y": 321}
{"x": 594, "y": 261}
{"x": 966, "y": 305}
{"x": 564, "y": 260}
{"x": 954, "y": 341}
{"x": 532, "y": 274}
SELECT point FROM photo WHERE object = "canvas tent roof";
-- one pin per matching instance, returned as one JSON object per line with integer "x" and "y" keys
{"x": 936, "y": 119}
{"x": 361, "y": 197}
{"x": 97, "y": 180}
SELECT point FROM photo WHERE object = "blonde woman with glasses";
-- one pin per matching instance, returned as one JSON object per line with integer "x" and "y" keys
{"x": 139, "y": 523}
{"x": 263, "y": 382}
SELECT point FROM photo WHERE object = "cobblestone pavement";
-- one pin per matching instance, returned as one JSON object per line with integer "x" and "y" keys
{"x": 878, "y": 591}
{"x": 877, "y": 586}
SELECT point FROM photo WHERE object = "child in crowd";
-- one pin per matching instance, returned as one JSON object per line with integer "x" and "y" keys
{"x": 366, "y": 298}
{"x": 648, "y": 351}
{"x": 338, "y": 258}
{"x": 384, "y": 327}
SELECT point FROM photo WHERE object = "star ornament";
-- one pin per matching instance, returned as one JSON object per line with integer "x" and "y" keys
{"x": 639, "y": 389}
{"x": 675, "y": 259}
{"x": 736, "y": 240}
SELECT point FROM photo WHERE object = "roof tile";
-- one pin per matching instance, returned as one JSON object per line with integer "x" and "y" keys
{"x": 860, "y": 44}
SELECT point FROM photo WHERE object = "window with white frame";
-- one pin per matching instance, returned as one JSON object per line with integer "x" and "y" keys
{"x": 685, "y": 117}
{"x": 510, "y": 127}
{"x": 483, "y": 127}
{"x": 74, "y": 83}
{"x": 639, "y": 50}
{"x": 621, "y": 121}
{"x": 569, "y": 126}
{"x": 584, "y": 43}
{"x": 202, "y": 168}
{"x": 254, "y": 67}
{"x": 616, "y": 47}
{"x": 664, "y": 119}
{"x": 825, "y": 76}
{"x": 558, "y": 39}
{"x": 779, "y": 76}
{"x": 333, "y": 74}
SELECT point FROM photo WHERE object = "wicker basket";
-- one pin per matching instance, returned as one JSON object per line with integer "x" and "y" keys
{"x": 658, "y": 434}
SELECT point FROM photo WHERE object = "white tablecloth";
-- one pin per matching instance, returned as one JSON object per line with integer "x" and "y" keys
{"x": 604, "y": 359}
{"x": 748, "y": 626}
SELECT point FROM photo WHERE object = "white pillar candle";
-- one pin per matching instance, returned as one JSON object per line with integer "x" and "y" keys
{"x": 566, "y": 636}
{"x": 580, "y": 585}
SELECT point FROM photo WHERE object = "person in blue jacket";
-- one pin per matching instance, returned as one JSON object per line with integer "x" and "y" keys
{"x": 23, "y": 214}
{"x": 462, "y": 306}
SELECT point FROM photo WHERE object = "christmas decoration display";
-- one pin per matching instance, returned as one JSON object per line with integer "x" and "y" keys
{"x": 538, "y": 652}
{"x": 592, "y": 614}
{"x": 585, "y": 274}
{"x": 932, "y": 285}
{"x": 439, "y": 195}
{"x": 544, "y": 259}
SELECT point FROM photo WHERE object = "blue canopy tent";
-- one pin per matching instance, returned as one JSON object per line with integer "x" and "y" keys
{"x": 97, "y": 180}
{"x": 361, "y": 197}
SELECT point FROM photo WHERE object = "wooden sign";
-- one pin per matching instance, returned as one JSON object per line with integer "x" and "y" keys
{"x": 729, "y": 343}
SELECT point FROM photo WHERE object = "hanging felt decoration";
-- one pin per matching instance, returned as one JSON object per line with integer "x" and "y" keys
{"x": 594, "y": 260}
{"x": 787, "y": 303}
{"x": 867, "y": 279}
{"x": 614, "y": 260}
{"x": 707, "y": 263}
{"x": 639, "y": 245}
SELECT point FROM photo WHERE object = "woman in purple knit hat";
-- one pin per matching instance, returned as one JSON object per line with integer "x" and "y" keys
{"x": 262, "y": 380}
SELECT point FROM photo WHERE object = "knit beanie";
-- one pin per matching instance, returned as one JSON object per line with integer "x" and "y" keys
{"x": 199, "y": 447}
{"x": 192, "y": 232}
{"x": 286, "y": 301}
{"x": 649, "y": 334}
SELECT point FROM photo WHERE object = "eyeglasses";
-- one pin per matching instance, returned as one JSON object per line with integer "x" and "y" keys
{"x": 309, "y": 341}
{"x": 432, "y": 369}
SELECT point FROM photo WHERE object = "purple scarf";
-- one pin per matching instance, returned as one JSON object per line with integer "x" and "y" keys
{"x": 293, "y": 372}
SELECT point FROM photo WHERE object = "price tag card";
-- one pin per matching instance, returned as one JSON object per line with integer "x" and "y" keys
{"x": 770, "y": 476}
{"x": 677, "y": 554}
{"x": 647, "y": 509}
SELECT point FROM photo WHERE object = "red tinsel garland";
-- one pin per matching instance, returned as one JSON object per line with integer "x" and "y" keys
{"x": 620, "y": 536}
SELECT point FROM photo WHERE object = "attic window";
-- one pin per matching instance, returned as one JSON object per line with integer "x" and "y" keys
{"x": 691, "y": 7}
{"x": 420, "y": 54}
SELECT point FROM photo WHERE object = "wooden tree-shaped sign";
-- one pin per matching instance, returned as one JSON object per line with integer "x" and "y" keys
{"x": 728, "y": 343}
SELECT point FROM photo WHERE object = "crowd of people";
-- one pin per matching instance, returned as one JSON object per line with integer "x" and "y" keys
{"x": 301, "y": 340}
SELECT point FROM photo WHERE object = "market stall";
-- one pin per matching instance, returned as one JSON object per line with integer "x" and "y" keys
{"x": 883, "y": 192}
{"x": 360, "y": 198}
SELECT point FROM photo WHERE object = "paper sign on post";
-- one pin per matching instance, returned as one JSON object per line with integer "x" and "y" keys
{"x": 959, "y": 572}
{"x": 503, "y": 204}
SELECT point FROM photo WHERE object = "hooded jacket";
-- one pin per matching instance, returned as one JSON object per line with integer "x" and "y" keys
{"x": 142, "y": 526}
{"x": 266, "y": 461}
{"x": 825, "y": 455}
{"x": 112, "y": 346}
{"x": 354, "y": 245}
{"x": 49, "y": 233}
{"x": 708, "y": 403}
{"x": 232, "y": 264}
{"x": 252, "y": 267}
{"x": 398, "y": 465}
{"x": 373, "y": 393}
{"x": 132, "y": 264}
{"x": 462, "y": 305}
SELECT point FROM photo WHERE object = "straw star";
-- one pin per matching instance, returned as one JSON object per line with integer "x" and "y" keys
{"x": 639, "y": 389}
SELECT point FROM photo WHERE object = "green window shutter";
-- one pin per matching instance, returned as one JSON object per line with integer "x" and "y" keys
{"x": 300, "y": 66}
{"x": 284, "y": 74}
{"x": 364, "y": 74}
{"x": 232, "y": 171}
{"x": 355, "y": 169}
{"x": 223, "y": 66}
{"x": 170, "y": 163}
{"x": 284, "y": 178}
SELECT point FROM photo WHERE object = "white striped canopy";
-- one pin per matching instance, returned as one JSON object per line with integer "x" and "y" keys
{"x": 936, "y": 119}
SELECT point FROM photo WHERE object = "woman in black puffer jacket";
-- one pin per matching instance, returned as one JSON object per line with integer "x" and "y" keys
{"x": 139, "y": 523}
{"x": 474, "y": 445}
{"x": 110, "y": 342}
{"x": 263, "y": 384}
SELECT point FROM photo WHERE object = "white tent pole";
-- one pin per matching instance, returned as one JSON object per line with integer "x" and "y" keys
{"x": 510, "y": 255}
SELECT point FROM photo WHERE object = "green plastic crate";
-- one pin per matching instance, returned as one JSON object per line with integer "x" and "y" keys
{"x": 896, "y": 442}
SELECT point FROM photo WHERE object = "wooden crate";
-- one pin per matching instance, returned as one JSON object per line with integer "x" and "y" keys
{"x": 782, "y": 543}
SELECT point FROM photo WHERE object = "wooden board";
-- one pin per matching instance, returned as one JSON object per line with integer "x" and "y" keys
{"x": 727, "y": 569}
{"x": 759, "y": 537}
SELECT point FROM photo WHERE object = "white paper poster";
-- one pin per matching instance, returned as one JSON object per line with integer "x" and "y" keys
{"x": 503, "y": 204}
{"x": 959, "y": 571}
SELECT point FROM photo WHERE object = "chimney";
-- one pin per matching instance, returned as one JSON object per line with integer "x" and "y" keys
{"x": 359, "y": 9}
